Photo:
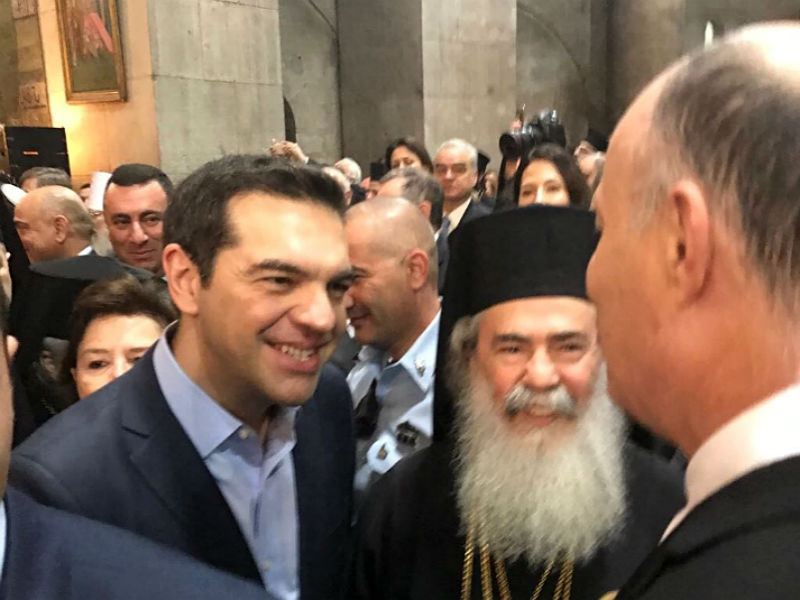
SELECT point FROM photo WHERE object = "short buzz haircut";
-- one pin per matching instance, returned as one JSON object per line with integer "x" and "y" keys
{"x": 46, "y": 176}
{"x": 131, "y": 174}
{"x": 197, "y": 216}
{"x": 60, "y": 200}
{"x": 459, "y": 144}
{"x": 731, "y": 119}
{"x": 420, "y": 186}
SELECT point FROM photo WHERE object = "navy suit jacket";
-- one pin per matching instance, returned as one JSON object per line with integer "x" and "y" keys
{"x": 52, "y": 554}
{"x": 120, "y": 456}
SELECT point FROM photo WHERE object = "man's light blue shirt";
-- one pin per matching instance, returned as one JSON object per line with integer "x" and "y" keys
{"x": 405, "y": 393}
{"x": 257, "y": 482}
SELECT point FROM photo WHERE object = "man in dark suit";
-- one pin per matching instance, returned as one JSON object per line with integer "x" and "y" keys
{"x": 455, "y": 167}
{"x": 47, "y": 553}
{"x": 696, "y": 280}
{"x": 211, "y": 444}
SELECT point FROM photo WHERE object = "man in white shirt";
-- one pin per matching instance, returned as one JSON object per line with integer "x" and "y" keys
{"x": 394, "y": 313}
{"x": 696, "y": 280}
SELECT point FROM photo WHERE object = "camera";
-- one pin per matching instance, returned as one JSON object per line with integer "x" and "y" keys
{"x": 547, "y": 128}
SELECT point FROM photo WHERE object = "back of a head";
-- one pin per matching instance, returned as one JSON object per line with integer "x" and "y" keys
{"x": 350, "y": 168}
{"x": 420, "y": 186}
{"x": 196, "y": 217}
{"x": 44, "y": 176}
{"x": 730, "y": 116}
{"x": 131, "y": 174}
{"x": 59, "y": 200}
{"x": 396, "y": 226}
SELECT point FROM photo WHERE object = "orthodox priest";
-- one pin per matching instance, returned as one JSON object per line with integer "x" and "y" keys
{"x": 529, "y": 490}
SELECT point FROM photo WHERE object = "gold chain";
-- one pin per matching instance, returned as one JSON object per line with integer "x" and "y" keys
{"x": 563, "y": 586}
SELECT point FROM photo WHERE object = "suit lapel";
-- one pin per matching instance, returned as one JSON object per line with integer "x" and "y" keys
{"x": 766, "y": 494}
{"x": 166, "y": 459}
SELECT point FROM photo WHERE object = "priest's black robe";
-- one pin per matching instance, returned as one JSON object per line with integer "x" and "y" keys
{"x": 410, "y": 544}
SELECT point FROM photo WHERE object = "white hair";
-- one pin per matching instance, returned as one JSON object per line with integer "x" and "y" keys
{"x": 537, "y": 497}
{"x": 350, "y": 168}
{"x": 459, "y": 144}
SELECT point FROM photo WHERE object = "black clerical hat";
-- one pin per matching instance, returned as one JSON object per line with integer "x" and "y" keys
{"x": 377, "y": 170}
{"x": 483, "y": 162}
{"x": 597, "y": 139}
{"x": 521, "y": 253}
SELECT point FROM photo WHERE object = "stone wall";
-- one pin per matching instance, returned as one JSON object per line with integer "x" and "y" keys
{"x": 310, "y": 74}
{"x": 102, "y": 135}
{"x": 469, "y": 71}
{"x": 380, "y": 61}
{"x": 23, "y": 95}
{"x": 216, "y": 67}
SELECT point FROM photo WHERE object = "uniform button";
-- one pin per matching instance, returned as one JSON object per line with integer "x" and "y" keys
{"x": 243, "y": 433}
{"x": 265, "y": 565}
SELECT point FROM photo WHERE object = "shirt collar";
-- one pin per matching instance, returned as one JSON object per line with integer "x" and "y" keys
{"x": 763, "y": 434}
{"x": 419, "y": 361}
{"x": 206, "y": 423}
{"x": 86, "y": 251}
{"x": 458, "y": 213}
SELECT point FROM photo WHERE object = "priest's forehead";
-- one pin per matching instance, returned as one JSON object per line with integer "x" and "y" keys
{"x": 541, "y": 317}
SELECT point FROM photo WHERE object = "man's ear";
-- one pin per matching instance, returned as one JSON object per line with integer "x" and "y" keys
{"x": 689, "y": 243}
{"x": 417, "y": 268}
{"x": 426, "y": 207}
{"x": 61, "y": 225}
{"x": 11, "y": 346}
{"x": 183, "y": 279}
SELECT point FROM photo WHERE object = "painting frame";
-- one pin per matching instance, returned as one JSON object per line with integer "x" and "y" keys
{"x": 76, "y": 58}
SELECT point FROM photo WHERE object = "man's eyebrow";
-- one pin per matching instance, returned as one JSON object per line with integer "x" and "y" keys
{"x": 504, "y": 338}
{"x": 566, "y": 336}
{"x": 345, "y": 275}
{"x": 275, "y": 265}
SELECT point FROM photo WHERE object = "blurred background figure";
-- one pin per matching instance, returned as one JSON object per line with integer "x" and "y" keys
{"x": 407, "y": 152}
{"x": 550, "y": 175}
{"x": 41, "y": 176}
{"x": 342, "y": 180}
{"x": 113, "y": 323}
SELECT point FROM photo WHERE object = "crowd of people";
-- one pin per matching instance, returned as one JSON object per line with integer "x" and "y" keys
{"x": 575, "y": 377}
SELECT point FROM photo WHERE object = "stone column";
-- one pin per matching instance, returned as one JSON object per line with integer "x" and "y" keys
{"x": 469, "y": 64}
{"x": 380, "y": 62}
{"x": 217, "y": 77}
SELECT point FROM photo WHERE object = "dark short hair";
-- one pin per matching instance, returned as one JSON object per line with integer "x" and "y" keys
{"x": 416, "y": 147}
{"x": 124, "y": 296}
{"x": 197, "y": 217}
{"x": 47, "y": 176}
{"x": 419, "y": 186}
{"x": 131, "y": 174}
{"x": 580, "y": 195}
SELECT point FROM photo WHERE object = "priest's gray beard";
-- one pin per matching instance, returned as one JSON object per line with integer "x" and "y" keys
{"x": 539, "y": 498}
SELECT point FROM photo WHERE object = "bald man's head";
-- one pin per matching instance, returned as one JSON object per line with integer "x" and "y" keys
{"x": 53, "y": 222}
{"x": 393, "y": 253}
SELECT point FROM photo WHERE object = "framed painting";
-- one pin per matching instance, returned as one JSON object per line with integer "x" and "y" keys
{"x": 91, "y": 50}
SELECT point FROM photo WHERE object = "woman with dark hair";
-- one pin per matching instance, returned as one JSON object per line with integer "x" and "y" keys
{"x": 551, "y": 176}
{"x": 113, "y": 323}
{"x": 408, "y": 152}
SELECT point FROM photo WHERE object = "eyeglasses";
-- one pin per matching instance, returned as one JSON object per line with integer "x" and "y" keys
{"x": 458, "y": 169}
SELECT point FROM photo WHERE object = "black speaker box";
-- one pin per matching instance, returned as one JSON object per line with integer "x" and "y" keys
{"x": 28, "y": 147}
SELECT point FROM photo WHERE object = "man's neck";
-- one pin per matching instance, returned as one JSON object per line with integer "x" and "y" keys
{"x": 425, "y": 315}
{"x": 452, "y": 204}
{"x": 73, "y": 247}
{"x": 201, "y": 369}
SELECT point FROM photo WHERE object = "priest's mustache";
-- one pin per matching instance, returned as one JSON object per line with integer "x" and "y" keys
{"x": 558, "y": 401}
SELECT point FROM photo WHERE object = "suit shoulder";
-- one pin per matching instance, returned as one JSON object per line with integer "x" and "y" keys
{"x": 102, "y": 561}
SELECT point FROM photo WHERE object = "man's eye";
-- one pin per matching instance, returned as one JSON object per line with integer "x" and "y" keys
{"x": 152, "y": 220}
{"x": 279, "y": 281}
{"x": 510, "y": 349}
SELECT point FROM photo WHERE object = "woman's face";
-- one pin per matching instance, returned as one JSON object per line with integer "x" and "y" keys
{"x": 403, "y": 157}
{"x": 542, "y": 184}
{"x": 110, "y": 346}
